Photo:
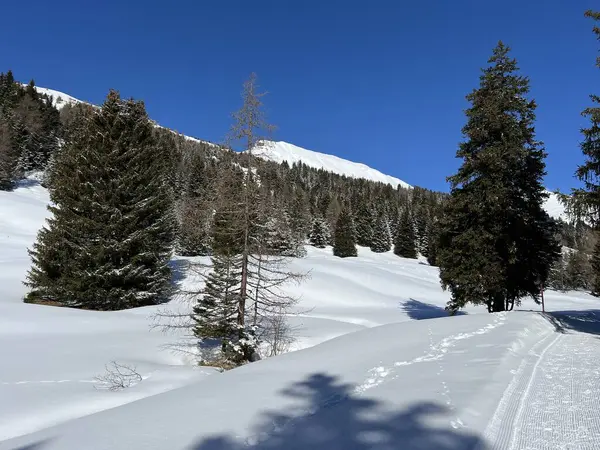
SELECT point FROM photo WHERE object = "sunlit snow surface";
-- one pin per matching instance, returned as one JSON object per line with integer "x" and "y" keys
{"x": 445, "y": 383}
{"x": 282, "y": 151}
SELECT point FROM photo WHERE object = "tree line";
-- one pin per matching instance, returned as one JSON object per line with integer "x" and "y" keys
{"x": 30, "y": 130}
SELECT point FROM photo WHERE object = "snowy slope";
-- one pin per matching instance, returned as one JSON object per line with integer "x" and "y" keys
{"x": 282, "y": 151}
{"x": 554, "y": 207}
{"x": 50, "y": 356}
{"x": 59, "y": 99}
{"x": 503, "y": 381}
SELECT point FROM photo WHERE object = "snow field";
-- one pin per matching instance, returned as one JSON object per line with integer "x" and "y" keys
{"x": 448, "y": 378}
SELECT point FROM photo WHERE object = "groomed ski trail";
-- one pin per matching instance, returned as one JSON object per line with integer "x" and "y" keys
{"x": 552, "y": 401}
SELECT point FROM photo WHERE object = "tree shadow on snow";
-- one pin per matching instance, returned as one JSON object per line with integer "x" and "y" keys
{"x": 582, "y": 321}
{"x": 335, "y": 418}
{"x": 179, "y": 268}
{"x": 417, "y": 310}
{"x": 35, "y": 446}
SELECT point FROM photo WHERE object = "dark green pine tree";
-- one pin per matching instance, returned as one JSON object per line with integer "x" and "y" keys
{"x": 595, "y": 271}
{"x": 298, "y": 210}
{"x": 404, "y": 239}
{"x": 431, "y": 251}
{"x": 10, "y": 147}
{"x": 496, "y": 242}
{"x": 577, "y": 270}
{"x": 215, "y": 312}
{"x": 109, "y": 241}
{"x": 421, "y": 225}
{"x": 9, "y": 91}
{"x": 380, "y": 242}
{"x": 363, "y": 221}
{"x": 344, "y": 242}
{"x": 319, "y": 235}
{"x": 588, "y": 198}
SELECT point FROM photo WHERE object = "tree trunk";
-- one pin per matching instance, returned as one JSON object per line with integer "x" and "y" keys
{"x": 499, "y": 304}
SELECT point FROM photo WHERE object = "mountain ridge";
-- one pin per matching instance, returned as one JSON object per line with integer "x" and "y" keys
{"x": 280, "y": 151}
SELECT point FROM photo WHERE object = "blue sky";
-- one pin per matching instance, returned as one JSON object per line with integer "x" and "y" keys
{"x": 380, "y": 82}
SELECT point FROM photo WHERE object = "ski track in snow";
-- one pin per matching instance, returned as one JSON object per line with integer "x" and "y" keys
{"x": 379, "y": 374}
{"x": 552, "y": 400}
{"x": 560, "y": 407}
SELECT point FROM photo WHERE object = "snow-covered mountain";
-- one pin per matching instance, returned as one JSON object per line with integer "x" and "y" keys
{"x": 283, "y": 151}
{"x": 59, "y": 99}
{"x": 279, "y": 151}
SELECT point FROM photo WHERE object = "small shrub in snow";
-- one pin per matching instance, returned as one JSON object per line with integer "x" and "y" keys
{"x": 118, "y": 377}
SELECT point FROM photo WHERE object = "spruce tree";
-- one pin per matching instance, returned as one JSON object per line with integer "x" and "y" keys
{"x": 595, "y": 271}
{"x": 380, "y": 242}
{"x": 496, "y": 242}
{"x": 577, "y": 270}
{"x": 344, "y": 244}
{"x": 587, "y": 199}
{"x": 298, "y": 212}
{"x": 9, "y": 152}
{"x": 215, "y": 314}
{"x": 109, "y": 240}
{"x": 363, "y": 221}
{"x": 319, "y": 235}
{"x": 404, "y": 239}
{"x": 421, "y": 228}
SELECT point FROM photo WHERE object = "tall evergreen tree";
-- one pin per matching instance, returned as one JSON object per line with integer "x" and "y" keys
{"x": 216, "y": 310}
{"x": 404, "y": 239}
{"x": 496, "y": 241}
{"x": 588, "y": 198}
{"x": 431, "y": 250}
{"x": 344, "y": 244}
{"x": 9, "y": 152}
{"x": 364, "y": 222}
{"x": 215, "y": 313}
{"x": 319, "y": 234}
{"x": 380, "y": 242}
{"x": 109, "y": 241}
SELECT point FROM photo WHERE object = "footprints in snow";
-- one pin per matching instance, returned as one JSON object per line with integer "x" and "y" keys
{"x": 378, "y": 375}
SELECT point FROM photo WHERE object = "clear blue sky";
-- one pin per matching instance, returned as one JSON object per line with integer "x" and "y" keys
{"x": 380, "y": 82}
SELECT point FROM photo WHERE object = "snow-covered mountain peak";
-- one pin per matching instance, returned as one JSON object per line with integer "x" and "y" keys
{"x": 59, "y": 99}
{"x": 283, "y": 151}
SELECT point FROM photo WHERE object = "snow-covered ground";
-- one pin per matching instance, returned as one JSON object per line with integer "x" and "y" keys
{"x": 368, "y": 373}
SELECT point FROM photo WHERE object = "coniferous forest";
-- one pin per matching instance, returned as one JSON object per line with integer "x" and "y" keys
{"x": 128, "y": 194}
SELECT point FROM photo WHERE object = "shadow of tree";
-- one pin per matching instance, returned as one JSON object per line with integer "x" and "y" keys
{"x": 417, "y": 310}
{"x": 35, "y": 446}
{"x": 582, "y": 321}
{"x": 179, "y": 268}
{"x": 333, "y": 417}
